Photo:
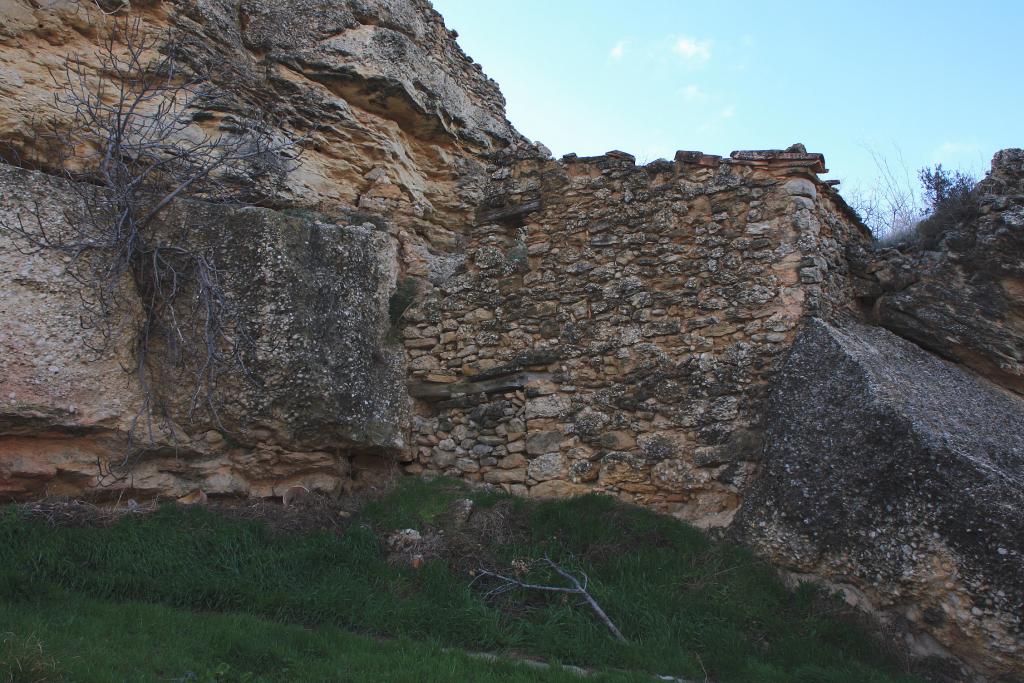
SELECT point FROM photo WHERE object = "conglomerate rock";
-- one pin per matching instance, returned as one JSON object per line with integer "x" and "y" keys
{"x": 901, "y": 474}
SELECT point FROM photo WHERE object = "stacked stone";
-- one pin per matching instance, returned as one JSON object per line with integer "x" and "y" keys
{"x": 615, "y": 327}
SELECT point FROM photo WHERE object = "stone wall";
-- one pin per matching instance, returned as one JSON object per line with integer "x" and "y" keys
{"x": 576, "y": 325}
{"x": 614, "y": 327}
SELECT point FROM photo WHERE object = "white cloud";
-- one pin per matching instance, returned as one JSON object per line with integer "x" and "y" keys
{"x": 952, "y": 153}
{"x": 693, "y": 93}
{"x": 717, "y": 123}
{"x": 695, "y": 51}
{"x": 618, "y": 51}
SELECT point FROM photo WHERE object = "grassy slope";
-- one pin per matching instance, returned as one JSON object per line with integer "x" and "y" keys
{"x": 84, "y": 639}
{"x": 684, "y": 602}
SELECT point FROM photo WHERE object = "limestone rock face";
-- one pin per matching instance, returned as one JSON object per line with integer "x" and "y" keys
{"x": 964, "y": 301}
{"x": 396, "y": 115}
{"x": 313, "y": 296}
{"x": 901, "y": 475}
{"x": 393, "y": 122}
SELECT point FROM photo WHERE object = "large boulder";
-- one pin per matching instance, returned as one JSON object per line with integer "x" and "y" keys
{"x": 901, "y": 475}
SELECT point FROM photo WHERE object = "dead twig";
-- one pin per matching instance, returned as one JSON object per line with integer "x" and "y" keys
{"x": 577, "y": 587}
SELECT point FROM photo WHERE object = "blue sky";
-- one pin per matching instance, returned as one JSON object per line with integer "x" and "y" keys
{"x": 926, "y": 81}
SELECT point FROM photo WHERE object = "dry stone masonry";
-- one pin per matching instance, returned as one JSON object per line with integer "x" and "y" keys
{"x": 614, "y": 327}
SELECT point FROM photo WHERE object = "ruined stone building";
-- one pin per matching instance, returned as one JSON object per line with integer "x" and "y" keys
{"x": 715, "y": 337}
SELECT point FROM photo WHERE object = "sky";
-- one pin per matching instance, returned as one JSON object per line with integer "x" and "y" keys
{"x": 916, "y": 83}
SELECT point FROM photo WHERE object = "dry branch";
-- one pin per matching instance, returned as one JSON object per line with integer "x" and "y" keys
{"x": 577, "y": 587}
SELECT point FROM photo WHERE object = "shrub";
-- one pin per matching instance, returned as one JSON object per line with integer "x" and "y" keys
{"x": 897, "y": 212}
{"x": 950, "y": 202}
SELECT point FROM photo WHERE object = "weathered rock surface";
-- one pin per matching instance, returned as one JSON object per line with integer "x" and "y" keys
{"x": 901, "y": 474}
{"x": 396, "y": 113}
{"x": 313, "y": 296}
{"x": 395, "y": 119}
{"x": 964, "y": 301}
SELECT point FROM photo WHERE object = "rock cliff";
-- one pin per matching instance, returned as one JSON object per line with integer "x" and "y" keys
{"x": 397, "y": 115}
{"x": 393, "y": 120}
{"x": 428, "y": 290}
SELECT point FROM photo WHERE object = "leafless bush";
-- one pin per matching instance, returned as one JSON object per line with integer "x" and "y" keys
{"x": 127, "y": 135}
{"x": 917, "y": 208}
{"x": 891, "y": 207}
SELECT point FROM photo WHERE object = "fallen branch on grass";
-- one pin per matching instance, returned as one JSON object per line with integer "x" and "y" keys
{"x": 507, "y": 583}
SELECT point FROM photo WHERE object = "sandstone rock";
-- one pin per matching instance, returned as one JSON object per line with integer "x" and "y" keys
{"x": 800, "y": 187}
{"x": 617, "y": 441}
{"x": 197, "y": 497}
{"x": 903, "y": 474}
{"x": 442, "y": 459}
{"x": 619, "y": 468}
{"x": 539, "y": 443}
{"x": 557, "y": 489}
{"x": 389, "y": 92}
{"x": 965, "y": 301}
{"x": 513, "y": 461}
{"x": 547, "y": 406}
{"x": 514, "y": 476}
{"x": 328, "y": 381}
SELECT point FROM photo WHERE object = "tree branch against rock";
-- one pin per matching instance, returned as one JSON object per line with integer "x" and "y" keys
{"x": 130, "y": 134}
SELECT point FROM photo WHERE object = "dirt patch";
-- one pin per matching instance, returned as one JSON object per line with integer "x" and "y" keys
{"x": 77, "y": 513}
{"x": 306, "y": 514}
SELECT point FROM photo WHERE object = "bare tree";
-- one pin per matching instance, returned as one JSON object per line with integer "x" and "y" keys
{"x": 127, "y": 134}
{"x": 504, "y": 583}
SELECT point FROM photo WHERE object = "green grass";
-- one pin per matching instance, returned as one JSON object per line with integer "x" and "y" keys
{"x": 684, "y": 602}
{"x": 83, "y": 639}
